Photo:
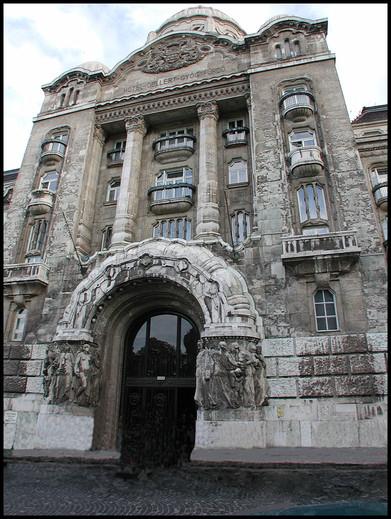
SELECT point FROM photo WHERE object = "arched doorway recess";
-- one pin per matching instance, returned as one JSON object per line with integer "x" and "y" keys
{"x": 158, "y": 411}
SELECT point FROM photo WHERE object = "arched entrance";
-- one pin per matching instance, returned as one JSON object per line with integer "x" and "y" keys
{"x": 158, "y": 409}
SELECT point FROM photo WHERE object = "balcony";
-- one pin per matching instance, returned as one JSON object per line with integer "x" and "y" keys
{"x": 171, "y": 198}
{"x": 26, "y": 278}
{"x": 52, "y": 149}
{"x": 306, "y": 162}
{"x": 296, "y": 107}
{"x": 41, "y": 201}
{"x": 115, "y": 158}
{"x": 333, "y": 252}
{"x": 235, "y": 136}
{"x": 173, "y": 149}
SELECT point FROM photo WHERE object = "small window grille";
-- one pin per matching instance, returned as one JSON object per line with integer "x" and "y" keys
{"x": 173, "y": 228}
{"x": 240, "y": 222}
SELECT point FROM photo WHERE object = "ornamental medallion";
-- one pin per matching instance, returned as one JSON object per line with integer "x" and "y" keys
{"x": 170, "y": 56}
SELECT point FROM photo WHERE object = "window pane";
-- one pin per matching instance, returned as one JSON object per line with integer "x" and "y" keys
{"x": 302, "y": 205}
{"x": 319, "y": 308}
{"x": 311, "y": 201}
{"x": 172, "y": 229}
{"x": 321, "y": 202}
{"x": 188, "y": 230}
{"x": 164, "y": 229}
{"x": 156, "y": 231}
{"x": 319, "y": 296}
{"x": 332, "y": 323}
{"x": 321, "y": 322}
{"x": 180, "y": 229}
{"x": 328, "y": 296}
{"x": 330, "y": 309}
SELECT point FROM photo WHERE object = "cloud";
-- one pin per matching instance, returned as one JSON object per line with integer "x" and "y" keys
{"x": 41, "y": 41}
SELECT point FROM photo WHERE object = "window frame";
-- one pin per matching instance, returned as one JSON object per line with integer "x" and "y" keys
{"x": 115, "y": 190}
{"x": 21, "y": 332}
{"x": 107, "y": 235}
{"x": 235, "y": 226}
{"x": 231, "y": 181}
{"x": 163, "y": 228}
{"x": 326, "y": 316}
{"x": 293, "y": 147}
{"x": 46, "y": 173}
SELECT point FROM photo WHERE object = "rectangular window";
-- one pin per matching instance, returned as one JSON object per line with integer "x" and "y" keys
{"x": 173, "y": 228}
{"x": 325, "y": 311}
{"x": 106, "y": 238}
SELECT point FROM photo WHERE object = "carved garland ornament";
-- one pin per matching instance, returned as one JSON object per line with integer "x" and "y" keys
{"x": 170, "y": 56}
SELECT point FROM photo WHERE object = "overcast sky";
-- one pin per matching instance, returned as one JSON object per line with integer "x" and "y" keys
{"x": 43, "y": 40}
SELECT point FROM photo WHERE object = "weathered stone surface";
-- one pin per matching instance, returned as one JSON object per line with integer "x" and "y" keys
{"x": 14, "y": 384}
{"x": 306, "y": 366}
{"x": 283, "y": 433}
{"x": 312, "y": 345}
{"x": 279, "y": 387}
{"x": 25, "y": 430}
{"x": 34, "y": 385}
{"x": 331, "y": 365}
{"x": 330, "y": 434}
{"x": 20, "y": 351}
{"x": 39, "y": 351}
{"x": 316, "y": 387}
{"x": 30, "y": 367}
{"x": 10, "y": 367}
{"x": 277, "y": 347}
{"x": 348, "y": 343}
{"x": 288, "y": 367}
{"x": 356, "y": 385}
{"x": 377, "y": 341}
{"x": 373, "y": 432}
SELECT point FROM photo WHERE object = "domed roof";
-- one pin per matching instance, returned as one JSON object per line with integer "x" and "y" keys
{"x": 199, "y": 11}
{"x": 94, "y": 66}
{"x": 214, "y": 21}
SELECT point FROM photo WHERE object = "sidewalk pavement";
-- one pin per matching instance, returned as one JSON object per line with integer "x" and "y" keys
{"x": 267, "y": 457}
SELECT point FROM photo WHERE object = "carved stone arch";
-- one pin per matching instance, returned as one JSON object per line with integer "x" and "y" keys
{"x": 221, "y": 291}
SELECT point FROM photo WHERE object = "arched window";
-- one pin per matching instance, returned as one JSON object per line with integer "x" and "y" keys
{"x": 37, "y": 236}
{"x": 287, "y": 48}
{"x": 325, "y": 311}
{"x": 240, "y": 222}
{"x": 237, "y": 171}
{"x": 19, "y": 325}
{"x": 312, "y": 209}
{"x": 62, "y": 99}
{"x": 106, "y": 237}
{"x": 113, "y": 190}
{"x": 278, "y": 52}
{"x": 296, "y": 48}
{"x": 49, "y": 181}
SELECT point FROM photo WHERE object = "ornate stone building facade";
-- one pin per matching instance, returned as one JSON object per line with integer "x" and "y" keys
{"x": 190, "y": 255}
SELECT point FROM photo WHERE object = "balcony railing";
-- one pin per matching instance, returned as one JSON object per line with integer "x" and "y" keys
{"x": 306, "y": 161}
{"x": 115, "y": 157}
{"x": 297, "y": 106}
{"x": 53, "y": 149}
{"x": 26, "y": 272}
{"x": 296, "y": 247}
{"x": 235, "y": 136}
{"x": 175, "y": 148}
{"x": 171, "y": 197}
{"x": 41, "y": 201}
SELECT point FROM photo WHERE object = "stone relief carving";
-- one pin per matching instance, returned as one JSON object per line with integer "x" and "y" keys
{"x": 230, "y": 376}
{"x": 176, "y": 54}
{"x": 72, "y": 374}
{"x": 208, "y": 109}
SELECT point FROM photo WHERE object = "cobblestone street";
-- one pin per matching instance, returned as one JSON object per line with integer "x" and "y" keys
{"x": 55, "y": 488}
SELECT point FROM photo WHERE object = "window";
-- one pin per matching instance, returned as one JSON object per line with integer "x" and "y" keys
{"x": 175, "y": 139}
{"x": 302, "y": 139}
{"x": 278, "y": 52}
{"x": 236, "y": 132}
{"x": 379, "y": 175}
{"x": 62, "y": 136}
{"x": 76, "y": 96}
{"x": 312, "y": 209}
{"x": 118, "y": 152}
{"x": 37, "y": 236}
{"x": 296, "y": 48}
{"x": 49, "y": 181}
{"x": 171, "y": 177}
{"x": 106, "y": 237}
{"x": 325, "y": 311}
{"x": 384, "y": 227}
{"x": 113, "y": 190}
{"x": 240, "y": 222}
{"x": 287, "y": 48}
{"x": 173, "y": 228}
{"x": 295, "y": 88}
{"x": 237, "y": 171}
{"x": 19, "y": 325}
{"x": 62, "y": 99}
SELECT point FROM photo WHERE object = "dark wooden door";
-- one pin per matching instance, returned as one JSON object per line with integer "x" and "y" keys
{"x": 159, "y": 412}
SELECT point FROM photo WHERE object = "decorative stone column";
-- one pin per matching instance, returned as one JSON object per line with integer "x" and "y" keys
{"x": 127, "y": 204}
{"x": 84, "y": 232}
{"x": 208, "y": 219}
{"x": 251, "y": 149}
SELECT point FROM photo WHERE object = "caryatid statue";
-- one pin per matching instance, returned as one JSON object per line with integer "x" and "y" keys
{"x": 204, "y": 370}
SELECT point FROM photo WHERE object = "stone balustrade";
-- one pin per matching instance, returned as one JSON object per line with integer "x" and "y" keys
{"x": 306, "y": 162}
{"x": 25, "y": 272}
{"x": 295, "y": 247}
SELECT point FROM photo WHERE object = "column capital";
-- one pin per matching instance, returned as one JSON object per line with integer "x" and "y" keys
{"x": 207, "y": 109}
{"x": 135, "y": 123}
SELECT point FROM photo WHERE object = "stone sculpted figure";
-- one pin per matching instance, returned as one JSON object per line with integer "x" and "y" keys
{"x": 221, "y": 390}
{"x": 247, "y": 365}
{"x": 204, "y": 370}
{"x": 87, "y": 371}
{"x": 260, "y": 381}
{"x": 51, "y": 365}
{"x": 64, "y": 375}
